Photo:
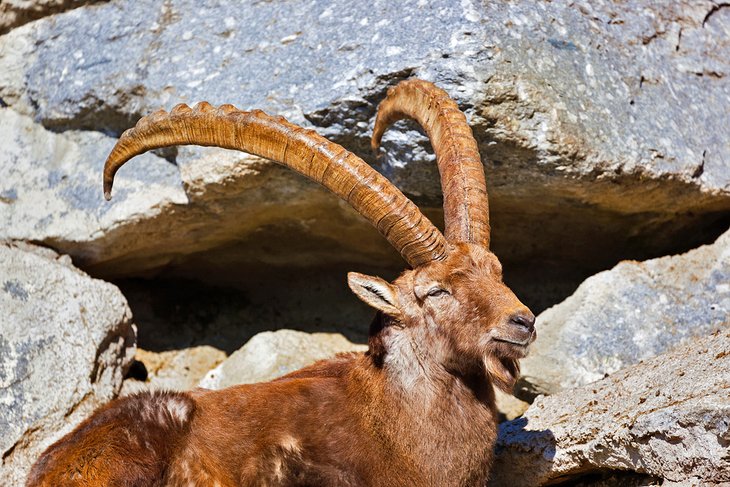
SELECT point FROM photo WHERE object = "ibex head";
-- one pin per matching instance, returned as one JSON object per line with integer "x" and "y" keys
{"x": 464, "y": 316}
{"x": 452, "y": 306}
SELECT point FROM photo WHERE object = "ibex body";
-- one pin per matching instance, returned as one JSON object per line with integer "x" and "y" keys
{"x": 417, "y": 409}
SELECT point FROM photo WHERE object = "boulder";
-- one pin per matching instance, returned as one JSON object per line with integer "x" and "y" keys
{"x": 668, "y": 417}
{"x": 592, "y": 120}
{"x": 65, "y": 343}
{"x": 634, "y": 311}
{"x": 52, "y": 193}
{"x": 269, "y": 355}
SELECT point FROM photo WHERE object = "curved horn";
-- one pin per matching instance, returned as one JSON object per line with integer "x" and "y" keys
{"x": 466, "y": 208}
{"x": 397, "y": 218}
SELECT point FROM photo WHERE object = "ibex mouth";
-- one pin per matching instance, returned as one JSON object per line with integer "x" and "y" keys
{"x": 513, "y": 342}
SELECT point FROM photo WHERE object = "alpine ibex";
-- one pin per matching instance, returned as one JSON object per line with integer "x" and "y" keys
{"x": 417, "y": 409}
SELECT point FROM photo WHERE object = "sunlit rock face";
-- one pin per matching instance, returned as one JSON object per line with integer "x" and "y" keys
{"x": 66, "y": 341}
{"x": 600, "y": 126}
{"x": 633, "y": 312}
{"x": 666, "y": 418}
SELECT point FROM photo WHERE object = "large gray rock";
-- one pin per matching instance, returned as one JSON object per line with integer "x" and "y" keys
{"x": 50, "y": 190}
{"x": 269, "y": 355}
{"x": 634, "y": 311}
{"x": 610, "y": 116}
{"x": 668, "y": 417}
{"x": 65, "y": 342}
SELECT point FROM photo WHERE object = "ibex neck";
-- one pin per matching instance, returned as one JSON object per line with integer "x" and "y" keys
{"x": 427, "y": 411}
{"x": 416, "y": 367}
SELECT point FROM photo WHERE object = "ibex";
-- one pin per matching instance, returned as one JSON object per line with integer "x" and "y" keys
{"x": 417, "y": 409}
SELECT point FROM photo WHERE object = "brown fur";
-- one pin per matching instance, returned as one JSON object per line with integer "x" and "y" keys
{"x": 416, "y": 410}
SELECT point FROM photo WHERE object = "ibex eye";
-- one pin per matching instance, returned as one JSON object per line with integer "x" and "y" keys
{"x": 437, "y": 291}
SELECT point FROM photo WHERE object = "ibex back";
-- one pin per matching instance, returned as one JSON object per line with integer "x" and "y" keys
{"x": 417, "y": 409}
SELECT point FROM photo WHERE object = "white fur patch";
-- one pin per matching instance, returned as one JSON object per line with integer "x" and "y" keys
{"x": 160, "y": 409}
{"x": 290, "y": 444}
{"x": 179, "y": 409}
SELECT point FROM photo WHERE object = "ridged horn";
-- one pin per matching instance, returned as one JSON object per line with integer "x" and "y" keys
{"x": 397, "y": 218}
{"x": 466, "y": 207}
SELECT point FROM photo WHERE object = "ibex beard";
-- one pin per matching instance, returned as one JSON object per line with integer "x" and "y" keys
{"x": 417, "y": 409}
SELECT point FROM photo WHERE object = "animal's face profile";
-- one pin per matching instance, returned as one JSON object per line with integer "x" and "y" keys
{"x": 478, "y": 322}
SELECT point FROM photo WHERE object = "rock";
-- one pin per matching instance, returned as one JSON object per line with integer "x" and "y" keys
{"x": 599, "y": 114}
{"x": 269, "y": 355}
{"x": 174, "y": 370}
{"x": 668, "y": 417}
{"x": 634, "y": 311}
{"x": 510, "y": 406}
{"x": 65, "y": 342}
{"x": 18, "y": 12}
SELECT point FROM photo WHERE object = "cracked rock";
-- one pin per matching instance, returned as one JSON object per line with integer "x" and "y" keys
{"x": 668, "y": 417}
{"x": 633, "y": 312}
{"x": 65, "y": 342}
{"x": 602, "y": 126}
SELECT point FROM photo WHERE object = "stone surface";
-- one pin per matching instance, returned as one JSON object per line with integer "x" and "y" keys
{"x": 632, "y": 312}
{"x": 269, "y": 355}
{"x": 174, "y": 370}
{"x": 510, "y": 406}
{"x": 65, "y": 342}
{"x": 668, "y": 417}
{"x": 601, "y": 127}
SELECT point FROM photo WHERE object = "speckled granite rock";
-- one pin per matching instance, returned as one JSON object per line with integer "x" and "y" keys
{"x": 269, "y": 355}
{"x": 600, "y": 121}
{"x": 668, "y": 417}
{"x": 634, "y": 311}
{"x": 65, "y": 341}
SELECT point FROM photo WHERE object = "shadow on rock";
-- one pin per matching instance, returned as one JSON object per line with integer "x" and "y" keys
{"x": 522, "y": 455}
{"x": 174, "y": 314}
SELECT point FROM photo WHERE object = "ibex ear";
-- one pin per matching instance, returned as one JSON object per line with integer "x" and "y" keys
{"x": 504, "y": 372}
{"x": 376, "y": 292}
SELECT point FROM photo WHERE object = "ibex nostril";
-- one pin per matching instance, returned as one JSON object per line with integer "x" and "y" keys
{"x": 525, "y": 320}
